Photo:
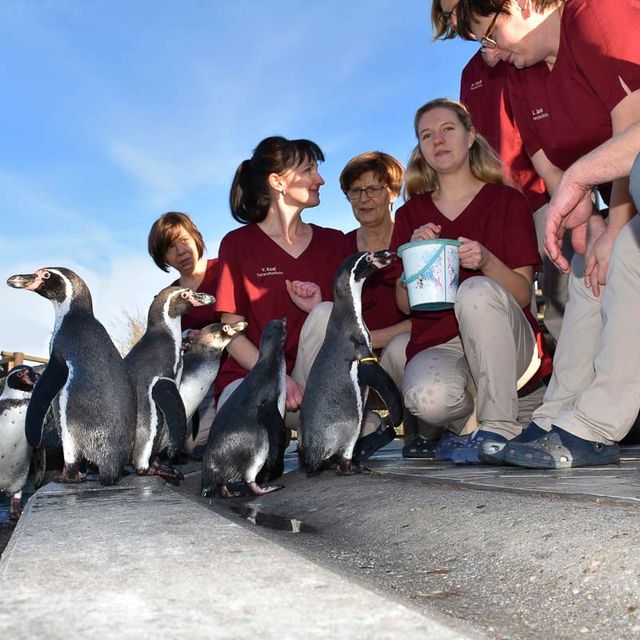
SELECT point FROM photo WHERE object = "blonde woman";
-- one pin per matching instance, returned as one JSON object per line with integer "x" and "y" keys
{"x": 485, "y": 345}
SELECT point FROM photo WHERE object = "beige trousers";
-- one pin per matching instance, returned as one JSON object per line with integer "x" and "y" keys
{"x": 555, "y": 284}
{"x": 495, "y": 354}
{"x": 594, "y": 391}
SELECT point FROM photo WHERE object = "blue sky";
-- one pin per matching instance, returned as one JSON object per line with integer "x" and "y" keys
{"x": 115, "y": 111}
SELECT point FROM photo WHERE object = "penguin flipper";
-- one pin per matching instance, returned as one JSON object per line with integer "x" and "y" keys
{"x": 374, "y": 376}
{"x": 167, "y": 397}
{"x": 51, "y": 381}
{"x": 270, "y": 418}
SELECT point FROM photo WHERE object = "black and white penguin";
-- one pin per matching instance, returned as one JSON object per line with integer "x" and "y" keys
{"x": 333, "y": 404}
{"x": 155, "y": 367}
{"x": 15, "y": 452}
{"x": 201, "y": 362}
{"x": 248, "y": 432}
{"x": 87, "y": 378}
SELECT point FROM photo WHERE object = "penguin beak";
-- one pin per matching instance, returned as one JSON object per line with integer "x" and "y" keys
{"x": 235, "y": 328}
{"x": 382, "y": 259}
{"x": 25, "y": 281}
{"x": 201, "y": 299}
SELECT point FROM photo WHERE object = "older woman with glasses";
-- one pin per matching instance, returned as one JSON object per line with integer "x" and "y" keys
{"x": 577, "y": 84}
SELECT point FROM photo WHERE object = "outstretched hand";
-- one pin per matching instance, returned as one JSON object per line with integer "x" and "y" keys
{"x": 570, "y": 208}
{"x": 305, "y": 295}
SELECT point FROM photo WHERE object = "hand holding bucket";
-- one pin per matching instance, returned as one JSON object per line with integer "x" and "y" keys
{"x": 430, "y": 273}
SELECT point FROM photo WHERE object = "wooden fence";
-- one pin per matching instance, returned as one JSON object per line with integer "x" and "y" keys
{"x": 10, "y": 359}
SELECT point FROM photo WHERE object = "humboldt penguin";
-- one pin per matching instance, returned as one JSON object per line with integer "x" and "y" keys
{"x": 86, "y": 377}
{"x": 335, "y": 395}
{"x": 201, "y": 362}
{"x": 155, "y": 367}
{"x": 248, "y": 432}
{"x": 15, "y": 452}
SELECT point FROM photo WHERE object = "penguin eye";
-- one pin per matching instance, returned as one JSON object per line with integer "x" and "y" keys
{"x": 46, "y": 275}
{"x": 369, "y": 257}
{"x": 184, "y": 295}
{"x": 226, "y": 328}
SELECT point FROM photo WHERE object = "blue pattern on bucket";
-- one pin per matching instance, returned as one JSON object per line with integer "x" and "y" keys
{"x": 424, "y": 270}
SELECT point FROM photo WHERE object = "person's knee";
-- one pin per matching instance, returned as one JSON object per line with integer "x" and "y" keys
{"x": 317, "y": 319}
{"x": 434, "y": 402}
{"x": 478, "y": 294}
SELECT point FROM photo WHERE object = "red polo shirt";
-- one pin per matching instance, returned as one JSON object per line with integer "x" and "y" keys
{"x": 251, "y": 283}
{"x": 498, "y": 217}
{"x": 483, "y": 89}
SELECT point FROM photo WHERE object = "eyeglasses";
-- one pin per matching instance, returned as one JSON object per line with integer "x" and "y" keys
{"x": 445, "y": 17}
{"x": 487, "y": 42}
{"x": 353, "y": 195}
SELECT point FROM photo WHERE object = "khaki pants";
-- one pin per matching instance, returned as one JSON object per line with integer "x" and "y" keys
{"x": 594, "y": 392}
{"x": 555, "y": 284}
{"x": 495, "y": 354}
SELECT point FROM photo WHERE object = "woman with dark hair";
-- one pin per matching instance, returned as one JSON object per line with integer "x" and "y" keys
{"x": 455, "y": 190}
{"x": 276, "y": 265}
{"x": 175, "y": 241}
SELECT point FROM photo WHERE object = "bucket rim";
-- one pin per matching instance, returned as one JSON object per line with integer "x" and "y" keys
{"x": 417, "y": 243}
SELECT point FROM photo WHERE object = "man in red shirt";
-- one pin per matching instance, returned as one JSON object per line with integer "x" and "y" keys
{"x": 578, "y": 81}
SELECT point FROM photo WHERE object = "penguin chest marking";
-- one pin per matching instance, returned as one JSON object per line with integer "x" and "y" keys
{"x": 282, "y": 397}
{"x": 153, "y": 422}
{"x": 15, "y": 453}
{"x": 69, "y": 447}
{"x": 353, "y": 375}
{"x": 258, "y": 462}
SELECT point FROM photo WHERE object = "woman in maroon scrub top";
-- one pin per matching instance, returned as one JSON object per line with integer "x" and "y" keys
{"x": 275, "y": 265}
{"x": 455, "y": 189}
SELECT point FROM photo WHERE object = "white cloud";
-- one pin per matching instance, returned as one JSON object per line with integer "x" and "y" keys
{"x": 126, "y": 285}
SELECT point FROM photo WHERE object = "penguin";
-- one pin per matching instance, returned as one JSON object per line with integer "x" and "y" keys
{"x": 336, "y": 392}
{"x": 248, "y": 432}
{"x": 15, "y": 452}
{"x": 202, "y": 351}
{"x": 85, "y": 376}
{"x": 155, "y": 367}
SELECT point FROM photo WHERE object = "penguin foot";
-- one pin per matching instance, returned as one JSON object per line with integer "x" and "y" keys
{"x": 71, "y": 475}
{"x": 171, "y": 475}
{"x": 257, "y": 490}
{"x": 223, "y": 492}
{"x": 348, "y": 468}
{"x": 15, "y": 510}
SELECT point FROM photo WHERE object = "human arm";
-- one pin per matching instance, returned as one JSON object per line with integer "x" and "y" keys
{"x": 621, "y": 207}
{"x": 245, "y": 353}
{"x": 380, "y": 337}
{"x": 402, "y": 297}
{"x": 241, "y": 349}
{"x": 473, "y": 255}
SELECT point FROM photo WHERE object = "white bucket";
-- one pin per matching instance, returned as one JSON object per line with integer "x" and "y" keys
{"x": 430, "y": 273}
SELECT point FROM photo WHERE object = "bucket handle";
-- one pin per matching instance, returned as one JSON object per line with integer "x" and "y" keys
{"x": 424, "y": 269}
